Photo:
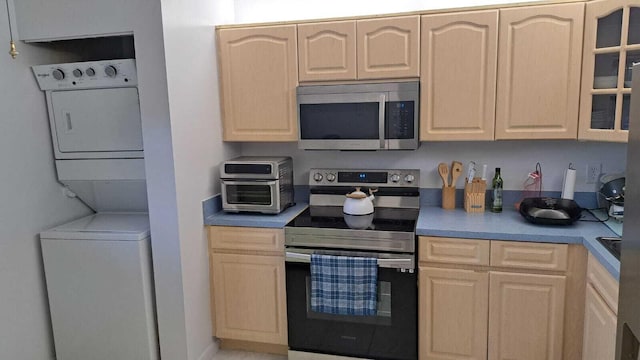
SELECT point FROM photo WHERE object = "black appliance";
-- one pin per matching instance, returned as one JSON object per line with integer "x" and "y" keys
{"x": 393, "y": 332}
{"x": 550, "y": 211}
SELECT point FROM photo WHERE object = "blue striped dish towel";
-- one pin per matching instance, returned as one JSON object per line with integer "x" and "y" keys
{"x": 344, "y": 285}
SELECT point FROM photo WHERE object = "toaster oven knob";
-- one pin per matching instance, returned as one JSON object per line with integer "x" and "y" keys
{"x": 409, "y": 178}
{"x": 331, "y": 177}
{"x": 395, "y": 178}
{"x": 317, "y": 177}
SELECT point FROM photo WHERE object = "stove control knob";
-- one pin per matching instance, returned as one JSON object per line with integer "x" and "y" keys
{"x": 395, "y": 178}
{"x": 58, "y": 74}
{"x": 409, "y": 178}
{"x": 331, "y": 177}
{"x": 317, "y": 177}
{"x": 111, "y": 71}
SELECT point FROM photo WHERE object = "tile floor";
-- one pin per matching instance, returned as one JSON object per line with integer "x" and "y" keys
{"x": 245, "y": 355}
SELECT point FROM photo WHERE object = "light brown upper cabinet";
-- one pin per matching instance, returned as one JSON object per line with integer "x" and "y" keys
{"x": 258, "y": 76}
{"x": 539, "y": 61}
{"x": 611, "y": 46}
{"x": 389, "y": 47}
{"x": 327, "y": 51}
{"x": 458, "y": 76}
{"x": 380, "y": 48}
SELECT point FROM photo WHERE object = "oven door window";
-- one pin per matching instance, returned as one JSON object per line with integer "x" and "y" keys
{"x": 249, "y": 194}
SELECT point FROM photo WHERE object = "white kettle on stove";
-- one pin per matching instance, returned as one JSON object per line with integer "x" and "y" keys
{"x": 358, "y": 209}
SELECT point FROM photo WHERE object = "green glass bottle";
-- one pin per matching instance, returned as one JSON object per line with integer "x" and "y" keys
{"x": 496, "y": 201}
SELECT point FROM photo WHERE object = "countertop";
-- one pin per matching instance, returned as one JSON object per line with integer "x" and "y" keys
{"x": 434, "y": 221}
{"x": 222, "y": 218}
{"x": 510, "y": 225}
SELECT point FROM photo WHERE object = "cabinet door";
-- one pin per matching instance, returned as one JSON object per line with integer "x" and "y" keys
{"x": 458, "y": 76}
{"x": 327, "y": 51}
{"x": 611, "y": 46}
{"x": 526, "y": 316}
{"x": 599, "y": 328}
{"x": 453, "y": 314}
{"x": 39, "y": 20}
{"x": 259, "y": 75}
{"x": 389, "y": 47}
{"x": 249, "y": 297}
{"x": 539, "y": 60}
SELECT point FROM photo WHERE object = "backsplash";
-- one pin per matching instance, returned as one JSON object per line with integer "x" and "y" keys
{"x": 516, "y": 158}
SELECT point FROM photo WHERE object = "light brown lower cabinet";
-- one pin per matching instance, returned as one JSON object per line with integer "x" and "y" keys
{"x": 600, "y": 313}
{"x": 248, "y": 286}
{"x": 482, "y": 311}
{"x": 453, "y": 313}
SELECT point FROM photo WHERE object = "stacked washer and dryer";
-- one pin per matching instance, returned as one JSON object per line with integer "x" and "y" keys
{"x": 98, "y": 268}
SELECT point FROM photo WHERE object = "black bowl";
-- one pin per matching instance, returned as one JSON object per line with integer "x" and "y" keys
{"x": 550, "y": 211}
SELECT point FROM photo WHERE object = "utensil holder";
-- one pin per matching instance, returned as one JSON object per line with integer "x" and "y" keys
{"x": 474, "y": 195}
{"x": 448, "y": 197}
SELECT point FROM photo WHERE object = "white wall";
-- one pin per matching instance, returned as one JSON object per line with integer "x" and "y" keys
{"x": 189, "y": 42}
{"x": 250, "y": 11}
{"x": 516, "y": 158}
{"x": 30, "y": 201}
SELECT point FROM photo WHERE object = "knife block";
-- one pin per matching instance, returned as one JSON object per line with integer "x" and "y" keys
{"x": 448, "y": 197}
{"x": 474, "y": 195}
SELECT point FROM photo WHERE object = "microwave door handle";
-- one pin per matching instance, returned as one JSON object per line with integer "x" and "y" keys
{"x": 382, "y": 100}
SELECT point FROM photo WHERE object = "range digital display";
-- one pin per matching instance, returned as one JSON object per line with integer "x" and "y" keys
{"x": 379, "y": 177}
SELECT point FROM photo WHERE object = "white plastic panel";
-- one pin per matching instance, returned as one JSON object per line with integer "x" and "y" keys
{"x": 101, "y": 299}
{"x": 100, "y": 120}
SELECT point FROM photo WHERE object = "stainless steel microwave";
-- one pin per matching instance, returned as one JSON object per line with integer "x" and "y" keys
{"x": 257, "y": 184}
{"x": 376, "y": 116}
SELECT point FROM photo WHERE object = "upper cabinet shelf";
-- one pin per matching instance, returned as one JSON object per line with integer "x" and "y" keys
{"x": 611, "y": 46}
{"x": 363, "y": 49}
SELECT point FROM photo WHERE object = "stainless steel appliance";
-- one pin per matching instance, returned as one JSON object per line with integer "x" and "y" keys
{"x": 257, "y": 184}
{"x": 627, "y": 345}
{"x": 380, "y": 116}
{"x": 323, "y": 229}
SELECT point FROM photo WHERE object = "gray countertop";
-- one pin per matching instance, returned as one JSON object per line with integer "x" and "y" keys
{"x": 222, "y": 218}
{"x": 434, "y": 221}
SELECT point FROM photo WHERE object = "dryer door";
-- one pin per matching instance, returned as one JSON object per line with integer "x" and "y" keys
{"x": 101, "y": 120}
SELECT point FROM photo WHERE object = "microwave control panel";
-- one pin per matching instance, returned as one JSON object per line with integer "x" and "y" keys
{"x": 400, "y": 119}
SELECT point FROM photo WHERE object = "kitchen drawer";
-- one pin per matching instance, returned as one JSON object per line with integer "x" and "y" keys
{"x": 246, "y": 238}
{"x": 529, "y": 255}
{"x": 454, "y": 250}
{"x": 603, "y": 283}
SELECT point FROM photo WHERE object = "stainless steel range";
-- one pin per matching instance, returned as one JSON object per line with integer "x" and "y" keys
{"x": 389, "y": 237}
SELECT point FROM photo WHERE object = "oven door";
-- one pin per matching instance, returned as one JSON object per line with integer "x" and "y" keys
{"x": 342, "y": 121}
{"x": 251, "y": 195}
{"x": 391, "y": 334}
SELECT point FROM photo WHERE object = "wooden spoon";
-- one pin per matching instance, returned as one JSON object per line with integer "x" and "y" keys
{"x": 443, "y": 170}
{"x": 456, "y": 170}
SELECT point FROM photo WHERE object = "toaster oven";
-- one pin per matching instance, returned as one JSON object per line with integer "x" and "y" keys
{"x": 257, "y": 184}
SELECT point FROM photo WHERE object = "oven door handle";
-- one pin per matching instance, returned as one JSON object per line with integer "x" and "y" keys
{"x": 251, "y": 182}
{"x": 383, "y": 263}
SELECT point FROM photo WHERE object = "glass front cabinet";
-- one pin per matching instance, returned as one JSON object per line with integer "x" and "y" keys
{"x": 611, "y": 47}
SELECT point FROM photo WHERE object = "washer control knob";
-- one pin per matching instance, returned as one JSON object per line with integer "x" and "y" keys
{"x": 110, "y": 71}
{"x": 409, "y": 178}
{"x": 90, "y": 72}
{"x": 77, "y": 73}
{"x": 331, "y": 177}
{"x": 317, "y": 177}
{"x": 395, "y": 178}
{"x": 58, "y": 74}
